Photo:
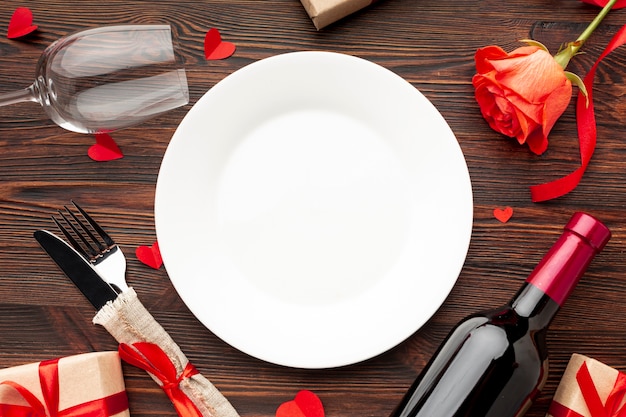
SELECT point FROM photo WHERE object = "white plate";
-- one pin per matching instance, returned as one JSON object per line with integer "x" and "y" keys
{"x": 313, "y": 209}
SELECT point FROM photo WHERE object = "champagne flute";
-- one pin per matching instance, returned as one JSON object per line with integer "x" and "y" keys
{"x": 107, "y": 78}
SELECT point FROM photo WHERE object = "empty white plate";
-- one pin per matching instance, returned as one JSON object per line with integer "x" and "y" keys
{"x": 313, "y": 209}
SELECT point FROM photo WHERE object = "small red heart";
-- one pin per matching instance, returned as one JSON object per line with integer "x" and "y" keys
{"x": 21, "y": 23}
{"x": 150, "y": 255}
{"x": 503, "y": 214}
{"x": 105, "y": 149}
{"x": 215, "y": 48}
{"x": 305, "y": 404}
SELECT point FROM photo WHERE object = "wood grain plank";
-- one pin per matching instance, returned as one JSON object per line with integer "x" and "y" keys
{"x": 431, "y": 44}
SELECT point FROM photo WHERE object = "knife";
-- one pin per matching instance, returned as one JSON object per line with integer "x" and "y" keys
{"x": 77, "y": 268}
{"x": 128, "y": 321}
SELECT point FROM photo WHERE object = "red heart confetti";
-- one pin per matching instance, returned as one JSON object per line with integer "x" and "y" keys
{"x": 503, "y": 214}
{"x": 215, "y": 48}
{"x": 21, "y": 23}
{"x": 305, "y": 404}
{"x": 150, "y": 255}
{"x": 105, "y": 149}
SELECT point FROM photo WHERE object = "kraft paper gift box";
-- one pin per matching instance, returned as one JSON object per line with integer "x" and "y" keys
{"x": 589, "y": 388}
{"x": 86, "y": 383}
{"x": 325, "y": 12}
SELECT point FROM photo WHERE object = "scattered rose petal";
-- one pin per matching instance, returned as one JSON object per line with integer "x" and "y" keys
{"x": 150, "y": 255}
{"x": 105, "y": 149}
{"x": 503, "y": 214}
{"x": 305, "y": 404}
{"x": 215, "y": 48}
{"x": 21, "y": 23}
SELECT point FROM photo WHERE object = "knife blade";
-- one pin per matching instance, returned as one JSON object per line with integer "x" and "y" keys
{"x": 77, "y": 268}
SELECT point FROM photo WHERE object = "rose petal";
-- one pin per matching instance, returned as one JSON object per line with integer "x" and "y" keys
{"x": 503, "y": 214}
{"x": 215, "y": 48}
{"x": 305, "y": 404}
{"x": 484, "y": 55}
{"x": 21, "y": 23}
{"x": 150, "y": 255}
{"x": 105, "y": 149}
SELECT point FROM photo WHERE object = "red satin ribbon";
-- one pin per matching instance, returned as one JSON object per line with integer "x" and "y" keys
{"x": 586, "y": 133}
{"x": 618, "y": 5}
{"x": 151, "y": 358}
{"x": 49, "y": 380}
{"x": 611, "y": 408}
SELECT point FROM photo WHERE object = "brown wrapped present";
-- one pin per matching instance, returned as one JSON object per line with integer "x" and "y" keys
{"x": 325, "y": 12}
{"x": 90, "y": 384}
{"x": 589, "y": 388}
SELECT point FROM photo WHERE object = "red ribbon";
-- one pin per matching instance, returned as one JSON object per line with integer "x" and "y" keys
{"x": 586, "y": 133}
{"x": 151, "y": 358}
{"x": 611, "y": 408}
{"x": 618, "y": 4}
{"x": 49, "y": 380}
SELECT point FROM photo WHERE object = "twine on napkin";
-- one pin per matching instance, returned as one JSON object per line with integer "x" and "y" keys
{"x": 152, "y": 359}
{"x": 128, "y": 321}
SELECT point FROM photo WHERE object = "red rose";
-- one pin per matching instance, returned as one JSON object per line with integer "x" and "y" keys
{"x": 521, "y": 94}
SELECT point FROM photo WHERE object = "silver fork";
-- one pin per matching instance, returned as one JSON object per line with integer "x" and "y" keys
{"x": 94, "y": 244}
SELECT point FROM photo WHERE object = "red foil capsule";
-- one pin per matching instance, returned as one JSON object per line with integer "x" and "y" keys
{"x": 560, "y": 270}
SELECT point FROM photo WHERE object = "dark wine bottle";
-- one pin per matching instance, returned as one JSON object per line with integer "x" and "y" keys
{"x": 494, "y": 363}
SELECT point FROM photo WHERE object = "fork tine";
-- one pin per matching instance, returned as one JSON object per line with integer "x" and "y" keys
{"x": 70, "y": 238}
{"x": 94, "y": 244}
{"x": 107, "y": 239}
{"x": 72, "y": 225}
{"x": 85, "y": 229}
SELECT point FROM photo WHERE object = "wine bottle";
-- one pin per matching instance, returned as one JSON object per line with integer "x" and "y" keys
{"x": 494, "y": 363}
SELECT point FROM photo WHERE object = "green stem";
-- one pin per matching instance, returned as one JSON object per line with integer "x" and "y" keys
{"x": 571, "y": 49}
{"x": 593, "y": 25}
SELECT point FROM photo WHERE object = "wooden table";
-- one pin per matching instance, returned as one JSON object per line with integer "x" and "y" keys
{"x": 431, "y": 44}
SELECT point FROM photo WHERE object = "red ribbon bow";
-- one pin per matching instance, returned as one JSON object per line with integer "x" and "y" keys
{"x": 611, "y": 408}
{"x": 586, "y": 133}
{"x": 151, "y": 358}
{"x": 49, "y": 380}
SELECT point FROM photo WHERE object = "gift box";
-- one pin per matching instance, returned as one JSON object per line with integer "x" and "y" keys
{"x": 87, "y": 384}
{"x": 589, "y": 388}
{"x": 325, "y": 12}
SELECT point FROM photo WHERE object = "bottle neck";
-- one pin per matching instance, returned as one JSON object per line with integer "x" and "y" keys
{"x": 554, "y": 278}
{"x": 534, "y": 304}
{"x": 560, "y": 270}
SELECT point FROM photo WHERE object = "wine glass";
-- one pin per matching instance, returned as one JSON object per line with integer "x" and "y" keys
{"x": 107, "y": 78}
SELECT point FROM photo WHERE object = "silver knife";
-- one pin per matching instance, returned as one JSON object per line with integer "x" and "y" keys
{"x": 129, "y": 322}
{"x": 79, "y": 270}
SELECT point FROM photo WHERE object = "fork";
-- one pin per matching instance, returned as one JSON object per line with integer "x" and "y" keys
{"x": 132, "y": 325}
{"x": 94, "y": 244}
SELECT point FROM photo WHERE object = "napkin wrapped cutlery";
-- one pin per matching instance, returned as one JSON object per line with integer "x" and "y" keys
{"x": 143, "y": 341}
{"x": 128, "y": 321}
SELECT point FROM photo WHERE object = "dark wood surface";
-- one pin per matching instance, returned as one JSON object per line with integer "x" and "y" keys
{"x": 431, "y": 44}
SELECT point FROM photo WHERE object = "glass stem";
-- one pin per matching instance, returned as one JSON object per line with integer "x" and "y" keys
{"x": 26, "y": 94}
